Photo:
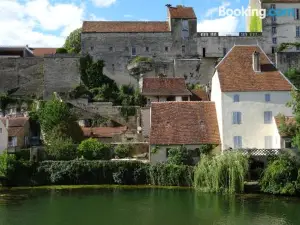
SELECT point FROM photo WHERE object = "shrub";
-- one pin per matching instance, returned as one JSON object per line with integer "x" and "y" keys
{"x": 61, "y": 51}
{"x": 123, "y": 151}
{"x": 180, "y": 156}
{"x": 24, "y": 154}
{"x": 93, "y": 149}
{"x": 7, "y": 164}
{"x": 222, "y": 173}
{"x": 281, "y": 176}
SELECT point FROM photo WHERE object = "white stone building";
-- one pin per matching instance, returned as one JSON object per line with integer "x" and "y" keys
{"x": 3, "y": 136}
{"x": 249, "y": 92}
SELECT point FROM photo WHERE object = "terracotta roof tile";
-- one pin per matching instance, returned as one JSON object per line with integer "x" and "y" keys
{"x": 181, "y": 12}
{"x": 43, "y": 51}
{"x": 99, "y": 132}
{"x": 164, "y": 86}
{"x": 199, "y": 95}
{"x": 124, "y": 26}
{"x": 184, "y": 123}
{"x": 15, "y": 121}
{"x": 236, "y": 72}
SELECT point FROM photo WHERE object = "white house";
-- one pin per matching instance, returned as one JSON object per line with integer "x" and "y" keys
{"x": 3, "y": 136}
{"x": 173, "y": 124}
{"x": 158, "y": 89}
{"x": 249, "y": 92}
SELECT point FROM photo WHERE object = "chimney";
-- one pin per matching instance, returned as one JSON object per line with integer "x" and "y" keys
{"x": 256, "y": 61}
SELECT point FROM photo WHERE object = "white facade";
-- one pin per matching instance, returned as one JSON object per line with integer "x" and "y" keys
{"x": 3, "y": 137}
{"x": 252, "y": 106}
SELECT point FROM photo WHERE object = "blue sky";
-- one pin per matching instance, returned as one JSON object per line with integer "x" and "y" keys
{"x": 40, "y": 23}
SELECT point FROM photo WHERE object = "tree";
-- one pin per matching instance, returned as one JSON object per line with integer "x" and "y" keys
{"x": 293, "y": 75}
{"x": 295, "y": 105}
{"x": 93, "y": 149}
{"x": 73, "y": 42}
{"x": 180, "y": 156}
{"x": 57, "y": 115}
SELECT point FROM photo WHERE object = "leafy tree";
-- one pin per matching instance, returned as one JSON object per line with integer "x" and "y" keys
{"x": 6, "y": 164}
{"x": 61, "y": 50}
{"x": 93, "y": 149}
{"x": 293, "y": 75}
{"x": 295, "y": 105}
{"x": 180, "y": 156}
{"x": 73, "y": 42}
{"x": 60, "y": 147}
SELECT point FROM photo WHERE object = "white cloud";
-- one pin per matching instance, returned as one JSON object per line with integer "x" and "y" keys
{"x": 214, "y": 10}
{"x": 225, "y": 25}
{"x": 104, "y": 3}
{"x": 34, "y": 22}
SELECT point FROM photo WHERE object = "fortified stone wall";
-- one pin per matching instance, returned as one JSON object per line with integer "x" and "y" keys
{"x": 286, "y": 60}
{"x": 23, "y": 73}
{"x": 61, "y": 74}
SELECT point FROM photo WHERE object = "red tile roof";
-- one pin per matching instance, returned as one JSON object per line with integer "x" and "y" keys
{"x": 184, "y": 123}
{"x": 43, "y": 51}
{"x": 124, "y": 27}
{"x": 15, "y": 125}
{"x": 165, "y": 87}
{"x": 199, "y": 95}
{"x": 99, "y": 132}
{"x": 181, "y": 12}
{"x": 236, "y": 72}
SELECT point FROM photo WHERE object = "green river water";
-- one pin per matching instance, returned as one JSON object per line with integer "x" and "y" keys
{"x": 143, "y": 207}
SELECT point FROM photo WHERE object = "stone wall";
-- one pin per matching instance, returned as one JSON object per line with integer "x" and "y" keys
{"x": 286, "y": 60}
{"x": 61, "y": 74}
{"x": 23, "y": 73}
{"x": 39, "y": 76}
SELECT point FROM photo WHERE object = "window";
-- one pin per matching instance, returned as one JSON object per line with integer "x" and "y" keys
{"x": 185, "y": 25}
{"x": 0, "y": 130}
{"x": 224, "y": 51}
{"x": 147, "y": 49}
{"x": 92, "y": 48}
{"x": 166, "y": 49}
{"x": 268, "y": 117}
{"x": 237, "y": 118}
{"x": 273, "y": 50}
{"x": 273, "y": 6}
{"x": 274, "y": 40}
{"x": 171, "y": 99}
{"x": 267, "y": 97}
{"x": 297, "y": 31}
{"x": 288, "y": 143}
{"x": 110, "y": 49}
{"x": 268, "y": 142}
{"x": 298, "y": 48}
{"x": 133, "y": 51}
{"x": 297, "y": 14}
{"x": 185, "y": 98}
{"x": 274, "y": 30}
{"x": 273, "y": 19}
{"x": 183, "y": 48}
{"x": 236, "y": 98}
{"x": 203, "y": 52}
{"x": 237, "y": 142}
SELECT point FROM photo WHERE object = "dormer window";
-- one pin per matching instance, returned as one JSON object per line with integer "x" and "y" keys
{"x": 256, "y": 61}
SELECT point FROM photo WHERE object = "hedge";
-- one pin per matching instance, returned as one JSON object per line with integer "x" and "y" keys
{"x": 84, "y": 172}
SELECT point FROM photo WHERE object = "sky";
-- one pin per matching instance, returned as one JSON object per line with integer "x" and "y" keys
{"x": 47, "y": 23}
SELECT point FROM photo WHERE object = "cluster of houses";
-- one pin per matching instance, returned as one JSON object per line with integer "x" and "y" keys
{"x": 238, "y": 110}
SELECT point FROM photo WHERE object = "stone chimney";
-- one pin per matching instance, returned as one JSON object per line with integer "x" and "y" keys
{"x": 256, "y": 61}
{"x": 7, "y": 123}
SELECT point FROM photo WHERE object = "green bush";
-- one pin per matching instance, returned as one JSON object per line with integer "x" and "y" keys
{"x": 222, "y": 173}
{"x": 281, "y": 176}
{"x": 82, "y": 172}
{"x": 60, "y": 147}
{"x": 180, "y": 156}
{"x": 92, "y": 149}
{"x": 7, "y": 164}
{"x": 123, "y": 151}
{"x": 24, "y": 154}
{"x": 61, "y": 51}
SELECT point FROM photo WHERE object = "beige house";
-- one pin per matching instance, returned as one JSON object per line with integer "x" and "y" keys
{"x": 157, "y": 89}
{"x": 16, "y": 131}
{"x": 173, "y": 124}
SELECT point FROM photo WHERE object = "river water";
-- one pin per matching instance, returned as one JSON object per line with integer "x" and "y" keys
{"x": 144, "y": 207}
